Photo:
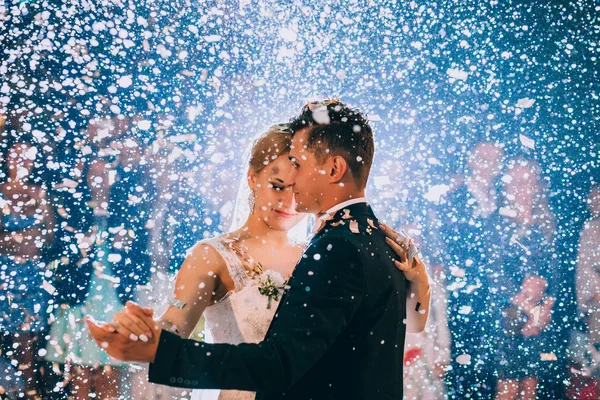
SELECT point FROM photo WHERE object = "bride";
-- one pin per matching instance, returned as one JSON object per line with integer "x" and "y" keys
{"x": 236, "y": 280}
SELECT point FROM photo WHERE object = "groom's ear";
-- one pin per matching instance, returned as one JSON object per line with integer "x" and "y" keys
{"x": 337, "y": 168}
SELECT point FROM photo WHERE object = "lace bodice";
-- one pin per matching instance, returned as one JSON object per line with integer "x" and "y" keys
{"x": 242, "y": 316}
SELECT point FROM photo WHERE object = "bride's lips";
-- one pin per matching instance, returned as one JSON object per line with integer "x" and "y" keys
{"x": 283, "y": 214}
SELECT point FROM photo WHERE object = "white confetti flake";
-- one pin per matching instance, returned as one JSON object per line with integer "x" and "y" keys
{"x": 458, "y": 272}
{"x": 435, "y": 192}
{"x": 321, "y": 115}
{"x": 382, "y": 180}
{"x": 212, "y": 38}
{"x": 457, "y": 74}
{"x": 354, "y": 227}
{"x": 125, "y": 81}
{"x": 548, "y": 357}
{"x": 144, "y": 124}
{"x": 371, "y": 223}
{"x": 464, "y": 359}
{"x": 47, "y": 286}
{"x": 525, "y": 103}
{"x": 114, "y": 257}
{"x": 527, "y": 142}
{"x": 465, "y": 310}
{"x": 535, "y": 311}
{"x": 288, "y": 35}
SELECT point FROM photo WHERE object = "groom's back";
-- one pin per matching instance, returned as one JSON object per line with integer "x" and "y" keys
{"x": 365, "y": 359}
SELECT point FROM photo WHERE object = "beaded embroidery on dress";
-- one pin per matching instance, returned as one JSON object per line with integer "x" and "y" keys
{"x": 242, "y": 316}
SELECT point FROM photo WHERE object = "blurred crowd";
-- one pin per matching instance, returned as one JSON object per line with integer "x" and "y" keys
{"x": 115, "y": 229}
{"x": 118, "y": 227}
{"x": 498, "y": 326}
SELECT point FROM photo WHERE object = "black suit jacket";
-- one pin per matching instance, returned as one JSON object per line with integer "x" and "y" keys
{"x": 338, "y": 333}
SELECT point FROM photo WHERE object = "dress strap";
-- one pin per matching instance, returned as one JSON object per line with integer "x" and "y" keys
{"x": 236, "y": 268}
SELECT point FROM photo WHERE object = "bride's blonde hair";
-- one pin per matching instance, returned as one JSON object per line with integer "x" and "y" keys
{"x": 277, "y": 140}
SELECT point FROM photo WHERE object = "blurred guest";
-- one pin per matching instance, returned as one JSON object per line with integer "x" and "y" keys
{"x": 427, "y": 354}
{"x": 128, "y": 212}
{"x": 468, "y": 217}
{"x": 26, "y": 230}
{"x": 526, "y": 353}
{"x": 90, "y": 370}
{"x": 176, "y": 219}
{"x": 218, "y": 186}
{"x": 72, "y": 267}
{"x": 586, "y": 382}
{"x": 588, "y": 269}
{"x": 75, "y": 217}
{"x": 175, "y": 225}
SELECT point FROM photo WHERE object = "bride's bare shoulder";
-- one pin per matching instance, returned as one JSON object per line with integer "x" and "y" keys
{"x": 204, "y": 258}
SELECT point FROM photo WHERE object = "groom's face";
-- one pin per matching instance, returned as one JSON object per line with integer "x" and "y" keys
{"x": 309, "y": 181}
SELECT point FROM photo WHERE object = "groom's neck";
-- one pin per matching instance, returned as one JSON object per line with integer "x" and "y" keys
{"x": 340, "y": 197}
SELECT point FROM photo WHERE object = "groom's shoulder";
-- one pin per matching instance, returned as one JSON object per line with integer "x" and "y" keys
{"x": 358, "y": 234}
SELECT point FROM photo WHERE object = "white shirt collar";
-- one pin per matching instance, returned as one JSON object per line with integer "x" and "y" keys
{"x": 346, "y": 203}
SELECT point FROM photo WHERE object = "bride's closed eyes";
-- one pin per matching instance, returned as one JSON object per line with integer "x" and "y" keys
{"x": 277, "y": 184}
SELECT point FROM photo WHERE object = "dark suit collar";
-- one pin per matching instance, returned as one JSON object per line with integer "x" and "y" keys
{"x": 353, "y": 210}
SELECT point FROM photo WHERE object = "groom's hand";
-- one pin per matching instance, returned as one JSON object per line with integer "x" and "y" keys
{"x": 121, "y": 347}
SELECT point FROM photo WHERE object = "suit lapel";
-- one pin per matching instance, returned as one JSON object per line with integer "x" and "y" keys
{"x": 346, "y": 214}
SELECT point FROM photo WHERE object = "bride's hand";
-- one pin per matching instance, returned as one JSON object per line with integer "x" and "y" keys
{"x": 134, "y": 322}
{"x": 415, "y": 271}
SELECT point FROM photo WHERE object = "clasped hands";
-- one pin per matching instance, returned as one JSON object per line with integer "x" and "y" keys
{"x": 132, "y": 335}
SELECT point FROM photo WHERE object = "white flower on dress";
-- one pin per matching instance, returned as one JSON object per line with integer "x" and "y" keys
{"x": 271, "y": 285}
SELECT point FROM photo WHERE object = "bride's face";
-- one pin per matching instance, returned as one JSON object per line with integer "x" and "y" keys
{"x": 274, "y": 199}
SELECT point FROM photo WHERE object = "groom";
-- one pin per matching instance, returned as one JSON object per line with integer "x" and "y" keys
{"x": 340, "y": 327}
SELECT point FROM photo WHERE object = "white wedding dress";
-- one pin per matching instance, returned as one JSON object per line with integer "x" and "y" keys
{"x": 242, "y": 316}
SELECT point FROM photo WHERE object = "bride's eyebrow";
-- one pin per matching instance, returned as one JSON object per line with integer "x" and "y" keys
{"x": 277, "y": 180}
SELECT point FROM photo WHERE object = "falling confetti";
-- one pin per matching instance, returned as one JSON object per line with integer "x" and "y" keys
{"x": 527, "y": 142}
{"x": 141, "y": 116}
{"x": 354, "y": 227}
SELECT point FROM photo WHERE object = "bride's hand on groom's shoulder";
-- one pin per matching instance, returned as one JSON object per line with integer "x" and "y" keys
{"x": 414, "y": 272}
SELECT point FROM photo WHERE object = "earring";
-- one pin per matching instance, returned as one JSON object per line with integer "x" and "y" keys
{"x": 251, "y": 201}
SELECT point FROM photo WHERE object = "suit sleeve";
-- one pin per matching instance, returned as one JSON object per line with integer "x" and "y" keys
{"x": 326, "y": 289}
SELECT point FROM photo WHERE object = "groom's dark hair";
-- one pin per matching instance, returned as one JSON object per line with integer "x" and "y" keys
{"x": 338, "y": 130}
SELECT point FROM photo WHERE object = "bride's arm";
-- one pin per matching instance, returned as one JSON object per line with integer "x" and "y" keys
{"x": 418, "y": 299}
{"x": 195, "y": 286}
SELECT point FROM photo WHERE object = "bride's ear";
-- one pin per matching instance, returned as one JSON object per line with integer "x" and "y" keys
{"x": 252, "y": 178}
